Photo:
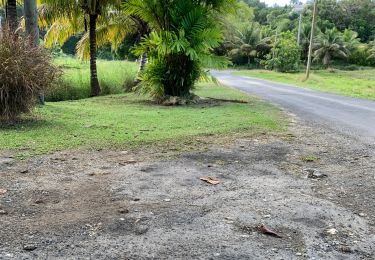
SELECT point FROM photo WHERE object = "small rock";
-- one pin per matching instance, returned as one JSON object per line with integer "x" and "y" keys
{"x": 362, "y": 214}
{"x": 345, "y": 249}
{"x": 123, "y": 211}
{"x": 314, "y": 174}
{"x": 136, "y": 199}
{"x": 39, "y": 201}
{"x": 3, "y": 212}
{"x": 25, "y": 171}
{"x": 141, "y": 229}
{"x": 29, "y": 247}
{"x": 167, "y": 200}
{"x": 298, "y": 254}
{"x": 332, "y": 231}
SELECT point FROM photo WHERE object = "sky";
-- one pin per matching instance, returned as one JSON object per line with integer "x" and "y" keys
{"x": 279, "y": 2}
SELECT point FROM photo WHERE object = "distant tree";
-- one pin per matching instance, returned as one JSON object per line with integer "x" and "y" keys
{"x": 330, "y": 45}
{"x": 285, "y": 54}
{"x": 68, "y": 18}
{"x": 248, "y": 41}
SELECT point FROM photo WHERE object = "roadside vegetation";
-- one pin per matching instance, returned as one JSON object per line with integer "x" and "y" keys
{"x": 115, "y": 77}
{"x": 115, "y": 102}
{"x": 129, "y": 120}
{"x": 358, "y": 83}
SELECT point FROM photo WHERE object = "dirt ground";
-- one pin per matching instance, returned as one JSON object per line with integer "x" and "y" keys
{"x": 134, "y": 205}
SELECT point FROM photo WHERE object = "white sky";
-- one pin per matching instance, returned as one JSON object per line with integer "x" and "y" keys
{"x": 279, "y": 2}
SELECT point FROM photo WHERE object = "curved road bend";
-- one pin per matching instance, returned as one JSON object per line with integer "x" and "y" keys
{"x": 350, "y": 116}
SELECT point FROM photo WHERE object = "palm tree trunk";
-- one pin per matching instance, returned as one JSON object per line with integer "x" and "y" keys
{"x": 11, "y": 13}
{"x": 95, "y": 87}
{"x": 31, "y": 21}
{"x": 32, "y": 30}
{"x": 144, "y": 60}
{"x": 142, "y": 65}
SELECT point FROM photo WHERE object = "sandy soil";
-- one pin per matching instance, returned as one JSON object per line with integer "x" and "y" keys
{"x": 134, "y": 205}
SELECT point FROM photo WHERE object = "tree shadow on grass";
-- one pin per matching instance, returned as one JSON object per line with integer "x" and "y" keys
{"x": 24, "y": 123}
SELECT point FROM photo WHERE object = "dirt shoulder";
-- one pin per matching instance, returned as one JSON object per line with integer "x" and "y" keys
{"x": 127, "y": 205}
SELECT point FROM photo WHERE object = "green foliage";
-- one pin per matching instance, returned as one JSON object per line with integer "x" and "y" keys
{"x": 115, "y": 77}
{"x": 331, "y": 44}
{"x": 357, "y": 15}
{"x": 285, "y": 54}
{"x": 24, "y": 72}
{"x": 129, "y": 120}
{"x": 184, "y": 33}
{"x": 358, "y": 83}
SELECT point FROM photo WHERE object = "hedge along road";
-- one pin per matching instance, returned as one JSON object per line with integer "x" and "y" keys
{"x": 350, "y": 116}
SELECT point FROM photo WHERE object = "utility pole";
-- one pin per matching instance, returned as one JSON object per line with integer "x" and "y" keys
{"x": 299, "y": 10}
{"x": 311, "y": 40}
{"x": 299, "y": 30}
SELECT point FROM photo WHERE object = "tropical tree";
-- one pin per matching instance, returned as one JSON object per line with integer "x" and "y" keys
{"x": 70, "y": 16}
{"x": 350, "y": 39}
{"x": 31, "y": 21}
{"x": 329, "y": 45}
{"x": 248, "y": 41}
{"x": 372, "y": 50}
{"x": 285, "y": 54}
{"x": 11, "y": 13}
{"x": 183, "y": 34}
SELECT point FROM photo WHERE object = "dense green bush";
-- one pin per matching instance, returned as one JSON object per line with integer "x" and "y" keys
{"x": 25, "y": 72}
{"x": 285, "y": 54}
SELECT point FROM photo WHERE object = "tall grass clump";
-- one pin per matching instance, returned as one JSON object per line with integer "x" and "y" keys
{"x": 115, "y": 77}
{"x": 25, "y": 72}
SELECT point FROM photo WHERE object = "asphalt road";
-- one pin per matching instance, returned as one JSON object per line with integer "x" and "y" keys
{"x": 349, "y": 116}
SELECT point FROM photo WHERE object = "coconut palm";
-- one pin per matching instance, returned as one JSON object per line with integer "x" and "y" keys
{"x": 329, "y": 45}
{"x": 350, "y": 39}
{"x": 70, "y": 16}
{"x": 248, "y": 41}
{"x": 183, "y": 33}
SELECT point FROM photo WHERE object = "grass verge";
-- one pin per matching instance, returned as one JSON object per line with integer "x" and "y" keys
{"x": 359, "y": 83}
{"x": 114, "y": 78}
{"x": 130, "y": 120}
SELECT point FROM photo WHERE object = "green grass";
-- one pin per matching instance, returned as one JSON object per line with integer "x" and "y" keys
{"x": 359, "y": 83}
{"x": 114, "y": 78}
{"x": 130, "y": 120}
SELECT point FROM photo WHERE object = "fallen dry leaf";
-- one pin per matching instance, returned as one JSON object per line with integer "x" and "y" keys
{"x": 210, "y": 180}
{"x": 3, "y": 191}
{"x": 265, "y": 230}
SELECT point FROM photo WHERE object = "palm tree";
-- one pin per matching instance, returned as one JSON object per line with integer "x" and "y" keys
{"x": 11, "y": 13}
{"x": 73, "y": 15}
{"x": 350, "y": 39}
{"x": 248, "y": 41}
{"x": 183, "y": 33}
{"x": 329, "y": 45}
{"x": 31, "y": 21}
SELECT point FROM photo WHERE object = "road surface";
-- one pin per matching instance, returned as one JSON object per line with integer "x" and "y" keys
{"x": 350, "y": 116}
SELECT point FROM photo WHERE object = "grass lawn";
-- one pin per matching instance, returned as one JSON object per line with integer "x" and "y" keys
{"x": 359, "y": 83}
{"x": 114, "y": 77}
{"x": 130, "y": 120}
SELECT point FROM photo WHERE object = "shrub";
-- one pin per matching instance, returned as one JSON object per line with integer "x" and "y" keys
{"x": 285, "y": 55}
{"x": 24, "y": 72}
